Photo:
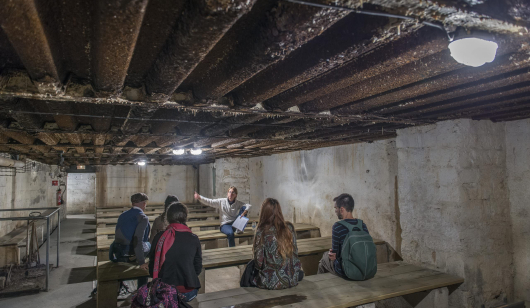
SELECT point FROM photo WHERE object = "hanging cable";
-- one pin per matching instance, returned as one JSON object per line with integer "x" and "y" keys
{"x": 367, "y": 12}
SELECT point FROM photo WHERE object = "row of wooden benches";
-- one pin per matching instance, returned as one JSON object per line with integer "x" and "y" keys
{"x": 393, "y": 279}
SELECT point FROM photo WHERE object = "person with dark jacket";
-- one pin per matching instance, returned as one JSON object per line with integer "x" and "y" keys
{"x": 132, "y": 235}
{"x": 177, "y": 256}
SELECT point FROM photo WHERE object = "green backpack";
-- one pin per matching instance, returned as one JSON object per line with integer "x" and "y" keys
{"x": 359, "y": 255}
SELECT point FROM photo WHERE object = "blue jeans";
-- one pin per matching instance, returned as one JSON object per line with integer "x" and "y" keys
{"x": 229, "y": 230}
{"x": 190, "y": 295}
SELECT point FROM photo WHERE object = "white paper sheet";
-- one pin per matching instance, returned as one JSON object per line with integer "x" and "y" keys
{"x": 240, "y": 223}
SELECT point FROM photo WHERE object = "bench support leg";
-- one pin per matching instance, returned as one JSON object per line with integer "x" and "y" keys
{"x": 103, "y": 255}
{"x": 314, "y": 233}
{"x": 438, "y": 298}
{"x": 310, "y": 264}
{"x": 107, "y": 296}
{"x": 202, "y": 280}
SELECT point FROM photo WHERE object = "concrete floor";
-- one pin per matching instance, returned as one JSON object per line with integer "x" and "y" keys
{"x": 71, "y": 283}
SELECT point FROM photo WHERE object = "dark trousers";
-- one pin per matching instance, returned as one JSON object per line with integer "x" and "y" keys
{"x": 229, "y": 230}
{"x": 117, "y": 254}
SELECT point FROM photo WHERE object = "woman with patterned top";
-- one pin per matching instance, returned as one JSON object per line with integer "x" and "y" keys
{"x": 275, "y": 251}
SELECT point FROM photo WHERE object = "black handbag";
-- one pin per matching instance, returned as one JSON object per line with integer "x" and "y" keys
{"x": 248, "y": 275}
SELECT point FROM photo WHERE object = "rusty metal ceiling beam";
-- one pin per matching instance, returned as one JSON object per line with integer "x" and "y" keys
{"x": 443, "y": 83}
{"x": 29, "y": 36}
{"x": 201, "y": 25}
{"x": 116, "y": 29}
{"x": 345, "y": 40}
{"x": 424, "y": 42}
{"x": 281, "y": 30}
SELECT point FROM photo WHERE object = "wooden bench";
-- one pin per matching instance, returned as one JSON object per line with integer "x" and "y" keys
{"x": 210, "y": 239}
{"x": 394, "y": 279}
{"x": 157, "y": 213}
{"x": 150, "y": 207}
{"x": 117, "y": 213}
{"x": 109, "y": 273}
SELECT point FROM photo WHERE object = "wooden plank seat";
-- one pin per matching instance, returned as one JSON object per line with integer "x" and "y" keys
{"x": 211, "y": 239}
{"x": 394, "y": 279}
{"x": 157, "y": 213}
{"x": 197, "y": 225}
{"x": 193, "y": 217}
{"x": 150, "y": 207}
{"x": 109, "y": 273}
{"x": 151, "y": 212}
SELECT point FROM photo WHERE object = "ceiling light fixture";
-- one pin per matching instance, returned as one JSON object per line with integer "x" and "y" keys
{"x": 196, "y": 151}
{"x": 141, "y": 163}
{"x": 473, "y": 51}
{"x": 178, "y": 151}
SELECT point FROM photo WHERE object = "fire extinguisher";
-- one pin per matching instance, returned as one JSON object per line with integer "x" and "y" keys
{"x": 59, "y": 196}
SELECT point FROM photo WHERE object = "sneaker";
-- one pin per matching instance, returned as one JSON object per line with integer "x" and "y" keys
{"x": 238, "y": 231}
{"x": 124, "y": 291}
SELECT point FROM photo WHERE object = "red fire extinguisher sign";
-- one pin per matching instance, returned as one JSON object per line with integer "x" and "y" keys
{"x": 55, "y": 183}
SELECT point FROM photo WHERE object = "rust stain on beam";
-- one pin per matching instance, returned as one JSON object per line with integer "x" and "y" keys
{"x": 26, "y": 31}
{"x": 345, "y": 40}
{"x": 131, "y": 126}
{"x": 21, "y": 137}
{"x": 283, "y": 29}
{"x": 199, "y": 28}
{"x": 443, "y": 83}
{"x": 117, "y": 24}
{"x": 475, "y": 93}
{"x": 400, "y": 76}
{"x": 426, "y": 41}
{"x": 48, "y": 138}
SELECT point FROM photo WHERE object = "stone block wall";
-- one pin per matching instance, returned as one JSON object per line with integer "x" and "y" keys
{"x": 116, "y": 184}
{"x": 454, "y": 207}
{"x": 518, "y": 168}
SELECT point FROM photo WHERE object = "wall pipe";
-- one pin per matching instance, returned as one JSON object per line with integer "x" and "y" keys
{"x": 7, "y": 162}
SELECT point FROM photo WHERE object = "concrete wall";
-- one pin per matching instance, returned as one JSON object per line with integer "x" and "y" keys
{"x": 116, "y": 184}
{"x": 81, "y": 190}
{"x": 454, "y": 207}
{"x": 306, "y": 182}
{"x": 518, "y": 168}
{"x": 24, "y": 190}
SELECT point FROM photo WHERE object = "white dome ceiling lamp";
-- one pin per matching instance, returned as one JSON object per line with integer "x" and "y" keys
{"x": 179, "y": 151}
{"x": 141, "y": 163}
{"x": 471, "y": 51}
{"x": 196, "y": 151}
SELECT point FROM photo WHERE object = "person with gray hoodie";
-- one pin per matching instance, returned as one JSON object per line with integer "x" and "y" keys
{"x": 229, "y": 209}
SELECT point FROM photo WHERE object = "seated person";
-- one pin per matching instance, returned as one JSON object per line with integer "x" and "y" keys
{"x": 275, "y": 251}
{"x": 331, "y": 260}
{"x": 230, "y": 209}
{"x": 132, "y": 235}
{"x": 177, "y": 258}
{"x": 160, "y": 223}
